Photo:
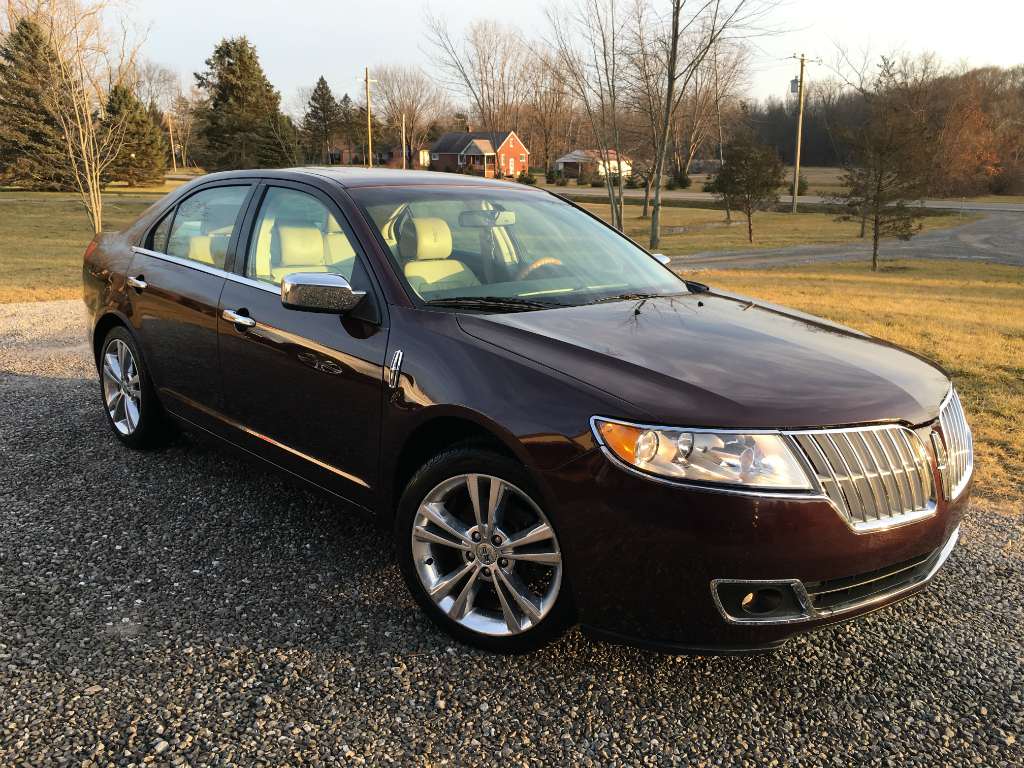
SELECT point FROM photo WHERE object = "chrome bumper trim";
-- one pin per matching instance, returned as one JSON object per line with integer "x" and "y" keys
{"x": 935, "y": 562}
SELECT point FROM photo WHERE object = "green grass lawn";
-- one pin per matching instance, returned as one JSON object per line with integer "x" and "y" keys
{"x": 771, "y": 230}
{"x": 42, "y": 244}
{"x": 968, "y": 317}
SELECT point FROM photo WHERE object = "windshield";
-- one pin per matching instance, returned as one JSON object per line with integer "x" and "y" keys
{"x": 496, "y": 244}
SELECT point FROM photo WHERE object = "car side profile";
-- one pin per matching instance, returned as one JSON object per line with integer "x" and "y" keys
{"x": 554, "y": 426}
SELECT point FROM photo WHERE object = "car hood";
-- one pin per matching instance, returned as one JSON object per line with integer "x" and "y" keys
{"x": 717, "y": 359}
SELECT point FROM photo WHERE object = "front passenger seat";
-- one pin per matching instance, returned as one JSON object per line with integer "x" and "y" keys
{"x": 426, "y": 244}
{"x": 300, "y": 246}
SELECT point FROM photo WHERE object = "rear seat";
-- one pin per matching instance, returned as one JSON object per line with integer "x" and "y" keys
{"x": 211, "y": 247}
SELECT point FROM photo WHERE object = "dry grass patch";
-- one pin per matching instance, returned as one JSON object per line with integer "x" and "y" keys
{"x": 771, "y": 230}
{"x": 42, "y": 244}
{"x": 968, "y": 316}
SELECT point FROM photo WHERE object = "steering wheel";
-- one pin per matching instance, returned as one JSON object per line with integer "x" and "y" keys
{"x": 547, "y": 261}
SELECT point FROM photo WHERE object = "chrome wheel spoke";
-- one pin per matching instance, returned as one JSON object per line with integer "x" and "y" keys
{"x": 496, "y": 505}
{"x": 521, "y": 593}
{"x": 111, "y": 368}
{"x": 446, "y": 584}
{"x": 425, "y": 535}
{"x": 436, "y": 513}
{"x": 131, "y": 413}
{"x": 511, "y": 620}
{"x": 122, "y": 353}
{"x": 544, "y": 558}
{"x": 464, "y": 602}
{"x": 540, "y": 532}
{"x": 473, "y": 485}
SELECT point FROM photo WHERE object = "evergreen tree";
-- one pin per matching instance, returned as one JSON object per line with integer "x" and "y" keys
{"x": 323, "y": 117}
{"x": 32, "y": 153}
{"x": 750, "y": 178}
{"x": 142, "y": 159}
{"x": 241, "y": 106}
{"x": 346, "y": 118}
{"x": 276, "y": 144}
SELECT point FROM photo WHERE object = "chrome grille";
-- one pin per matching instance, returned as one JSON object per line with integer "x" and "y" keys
{"x": 959, "y": 444}
{"x": 878, "y": 477}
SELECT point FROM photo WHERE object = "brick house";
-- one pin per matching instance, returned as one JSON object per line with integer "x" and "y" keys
{"x": 481, "y": 151}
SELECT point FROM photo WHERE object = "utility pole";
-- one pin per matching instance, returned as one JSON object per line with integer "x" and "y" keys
{"x": 799, "y": 127}
{"x": 403, "y": 141}
{"x": 369, "y": 125}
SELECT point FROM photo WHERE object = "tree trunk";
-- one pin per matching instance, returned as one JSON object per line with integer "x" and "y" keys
{"x": 750, "y": 224}
{"x": 647, "y": 199}
{"x": 863, "y": 221}
{"x": 874, "y": 246}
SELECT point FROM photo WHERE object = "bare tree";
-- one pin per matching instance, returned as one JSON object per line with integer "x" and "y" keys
{"x": 550, "y": 104}
{"x": 402, "y": 89}
{"x": 487, "y": 67}
{"x": 589, "y": 40}
{"x": 89, "y": 57}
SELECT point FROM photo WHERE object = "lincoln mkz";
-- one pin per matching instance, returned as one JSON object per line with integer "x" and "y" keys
{"x": 555, "y": 427}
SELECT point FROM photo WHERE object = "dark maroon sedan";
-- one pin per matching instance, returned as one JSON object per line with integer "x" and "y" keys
{"x": 556, "y": 427}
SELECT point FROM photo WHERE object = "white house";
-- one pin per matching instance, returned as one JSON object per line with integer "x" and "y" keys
{"x": 590, "y": 160}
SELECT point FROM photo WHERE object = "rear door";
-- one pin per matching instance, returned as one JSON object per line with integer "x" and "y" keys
{"x": 305, "y": 388}
{"x": 177, "y": 278}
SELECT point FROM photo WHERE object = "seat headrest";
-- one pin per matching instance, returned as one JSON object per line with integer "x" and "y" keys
{"x": 425, "y": 239}
{"x": 301, "y": 243}
{"x": 218, "y": 219}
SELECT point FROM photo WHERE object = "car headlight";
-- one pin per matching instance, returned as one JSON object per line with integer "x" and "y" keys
{"x": 731, "y": 458}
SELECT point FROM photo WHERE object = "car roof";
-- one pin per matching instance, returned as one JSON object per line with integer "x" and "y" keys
{"x": 372, "y": 177}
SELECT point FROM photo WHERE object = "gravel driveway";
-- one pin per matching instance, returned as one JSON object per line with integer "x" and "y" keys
{"x": 181, "y": 608}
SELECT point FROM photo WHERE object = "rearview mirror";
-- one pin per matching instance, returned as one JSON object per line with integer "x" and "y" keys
{"x": 319, "y": 292}
{"x": 478, "y": 219}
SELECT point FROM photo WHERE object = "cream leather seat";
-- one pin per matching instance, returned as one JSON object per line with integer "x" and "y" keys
{"x": 300, "y": 248}
{"x": 211, "y": 246}
{"x": 426, "y": 244}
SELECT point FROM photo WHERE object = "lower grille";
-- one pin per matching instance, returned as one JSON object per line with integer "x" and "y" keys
{"x": 877, "y": 477}
{"x": 836, "y": 594}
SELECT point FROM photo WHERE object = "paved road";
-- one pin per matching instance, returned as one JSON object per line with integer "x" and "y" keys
{"x": 951, "y": 205}
{"x": 999, "y": 238}
{"x": 178, "y": 607}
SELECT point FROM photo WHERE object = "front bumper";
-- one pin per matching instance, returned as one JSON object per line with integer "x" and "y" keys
{"x": 647, "y": 560}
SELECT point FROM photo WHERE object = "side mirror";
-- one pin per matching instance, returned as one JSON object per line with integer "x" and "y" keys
{"x": 662, "y": 259}
{"x": 319, "y": 292}
{"x": 480, "y": 219}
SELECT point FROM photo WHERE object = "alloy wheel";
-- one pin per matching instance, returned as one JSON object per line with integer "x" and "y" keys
{"x": 122, "y": 389}
{"x": 486, "y": 555}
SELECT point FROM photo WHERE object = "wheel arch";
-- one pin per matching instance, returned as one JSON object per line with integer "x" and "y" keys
{"x": 440, "y": 431}
{"x": 104, "y": 325}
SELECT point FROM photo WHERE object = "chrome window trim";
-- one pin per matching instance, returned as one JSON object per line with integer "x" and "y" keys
{"x": 196, "y": 265}
{"x": 241, "y": 279}
{"x": 811, "y": 613}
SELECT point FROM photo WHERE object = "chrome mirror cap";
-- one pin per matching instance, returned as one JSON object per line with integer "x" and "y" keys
{"x": 319, "y": 292}
{"x": 662, "y": 258}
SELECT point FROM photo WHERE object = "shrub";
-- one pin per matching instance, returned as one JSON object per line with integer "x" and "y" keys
{"x": 526, "y": 177}
{"x": 671, "y": 183}
{"x": 682, "y": 179}
{"x": 448, "y": 169}
{"x": 597, "y": 181}
{"x": 551, "y": 175}
{"x": 562, "y": 180}
{"x": 632, "y": 182}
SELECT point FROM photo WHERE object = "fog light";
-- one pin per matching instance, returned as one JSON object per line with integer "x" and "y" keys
{"x": 762, "y": 601}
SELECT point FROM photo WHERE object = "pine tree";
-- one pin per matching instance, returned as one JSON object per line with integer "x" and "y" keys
{"x": 276, "y": 145}
{"x": 750, "y": 178}
{"x": 323, "y": 116}
{"x": 240, "y": 102}
{"x": 32, "y": 153}
{"x": 142, "y": 159}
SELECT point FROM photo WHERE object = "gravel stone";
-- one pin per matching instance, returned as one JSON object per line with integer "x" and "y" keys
{"x": 266, "y": 627}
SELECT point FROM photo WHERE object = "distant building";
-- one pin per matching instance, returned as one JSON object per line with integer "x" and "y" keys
{"x": 481, "y": 151}
{"x": 590, "y": 160}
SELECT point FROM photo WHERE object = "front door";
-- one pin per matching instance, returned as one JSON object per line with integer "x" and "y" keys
{"x": 177, "y": 279}
{"x": 305, "y": 388}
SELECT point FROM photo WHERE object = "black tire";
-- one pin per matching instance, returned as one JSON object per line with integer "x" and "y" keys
{"x": 483, "y": 458}
{"x": 151, "y": 427}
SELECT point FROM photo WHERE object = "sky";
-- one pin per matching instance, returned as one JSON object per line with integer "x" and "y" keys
{"x": 299, "y": 40}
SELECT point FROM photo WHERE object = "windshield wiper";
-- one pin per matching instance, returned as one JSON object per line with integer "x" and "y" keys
{"x": 636, "y": 296}
{"x": 493, "y": 302}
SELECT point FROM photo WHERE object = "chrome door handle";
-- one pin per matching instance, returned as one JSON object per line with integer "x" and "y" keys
{"x": 233, "y": 317}
{"x": 136, "y": 283}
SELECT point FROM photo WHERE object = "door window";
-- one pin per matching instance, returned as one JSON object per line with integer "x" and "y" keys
{"x": 204, "y": 224}
{"x": 295, "y": 232}
{"x": 160, "y": 232}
